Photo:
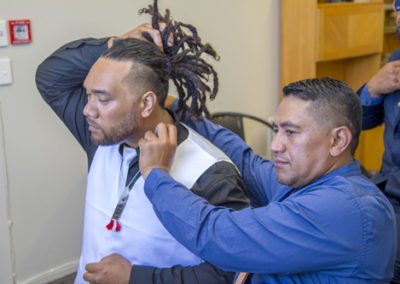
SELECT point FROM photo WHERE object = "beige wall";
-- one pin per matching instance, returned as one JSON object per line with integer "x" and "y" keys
{"x": 43, "y": 169}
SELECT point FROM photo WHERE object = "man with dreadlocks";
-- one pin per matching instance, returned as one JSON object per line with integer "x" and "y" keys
{"x": 109, "y": 92}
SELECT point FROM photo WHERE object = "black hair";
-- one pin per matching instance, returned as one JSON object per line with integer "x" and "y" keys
{"x": 148, "y": 71}
{"x": 332, "y": 101}
{"x": 180, "y": 61}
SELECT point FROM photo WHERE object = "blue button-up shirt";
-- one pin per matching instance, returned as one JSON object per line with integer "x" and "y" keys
{"x": 385, "y": 109}
{"x": 338, "y": 229}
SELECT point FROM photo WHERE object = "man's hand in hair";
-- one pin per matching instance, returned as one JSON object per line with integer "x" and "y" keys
{"x": 139, "y": 32}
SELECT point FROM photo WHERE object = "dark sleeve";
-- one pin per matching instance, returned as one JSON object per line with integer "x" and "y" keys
{"x": 220, "y": 185}
{"x": 59, "y": 79}
{"x": 372, "y": 114}
{"x": 203, "y": 273}
{"x": 257, "y": 172}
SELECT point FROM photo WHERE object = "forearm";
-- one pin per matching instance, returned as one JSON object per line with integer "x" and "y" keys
{"x": 219, "y": 185}
{"x": 252, "y": 167}
{"x": 373, "y": 116}
{"x": 221, "y": 137}
{"x": 65, "y": 70}
{"x": 206, "y": 230}
{"x": 373, "y": 112}
{"x": 265, "y": 238}
{"x": 60, "y": 80}
{"x": 203, "y": 273}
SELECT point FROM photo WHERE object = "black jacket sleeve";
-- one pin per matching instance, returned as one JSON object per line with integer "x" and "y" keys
{"x": 220, "y": 185}
{"x": 203, "y": 273}
{"x": 59, "y": 79}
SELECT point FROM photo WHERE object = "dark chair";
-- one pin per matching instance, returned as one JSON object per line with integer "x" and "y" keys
{"x": 234, "y": 121}
{"x": 243, "y": 124}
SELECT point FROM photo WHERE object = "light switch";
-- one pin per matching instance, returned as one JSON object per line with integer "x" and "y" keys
{"x": 3, "y": 33}
{"x": 5, "y": 71}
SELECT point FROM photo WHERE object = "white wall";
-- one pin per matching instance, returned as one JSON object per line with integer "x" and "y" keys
{"x": 43, "y": 169}
{"x": 5, "y": 240}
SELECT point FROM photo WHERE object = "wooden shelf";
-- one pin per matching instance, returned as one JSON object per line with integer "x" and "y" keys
{"x": 344, "y": 30}
{"x": 339, "y": 40}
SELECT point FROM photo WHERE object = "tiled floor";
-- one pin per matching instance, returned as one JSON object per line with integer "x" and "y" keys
{"x": 69, "y": 279}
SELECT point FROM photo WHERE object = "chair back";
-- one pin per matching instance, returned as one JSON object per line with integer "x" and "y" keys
{"x": 255, "y": 131}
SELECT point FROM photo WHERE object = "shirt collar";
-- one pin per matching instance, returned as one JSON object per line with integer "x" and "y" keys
{"x": 350, "y": 169}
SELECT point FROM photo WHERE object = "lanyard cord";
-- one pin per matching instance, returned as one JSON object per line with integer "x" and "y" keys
{"x": 114, "y": 224}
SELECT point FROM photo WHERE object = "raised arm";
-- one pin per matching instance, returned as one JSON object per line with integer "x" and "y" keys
{"x": 60, "y": 82}
{"x": 60, "y": 78}
{"x": 220, "y": 185}
{"x": 260, "y": 240}
{"x": 373, "y": 112}
{"x": 255, "y": 170}
{"x": 385, "y": 82}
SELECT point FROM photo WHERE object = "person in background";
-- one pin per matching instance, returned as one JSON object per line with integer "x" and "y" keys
{"x": 109, "y": 92}
{"x": 380, "y": 99}
{"x": 314, "y": 217}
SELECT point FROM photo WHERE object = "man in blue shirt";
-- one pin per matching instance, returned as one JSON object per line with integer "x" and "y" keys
{"x": 380, "y": 99}
{"x": 314, "y": 217}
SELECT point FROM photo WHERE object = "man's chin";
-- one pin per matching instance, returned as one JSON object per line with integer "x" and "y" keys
{"x": 282, "y": 179}
{"x": 285, "y": 178}
{"x": 100, "y": 141}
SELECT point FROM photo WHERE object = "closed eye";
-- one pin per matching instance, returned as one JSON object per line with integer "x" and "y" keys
{"x": 103, "y": 98}
{"x": 274, "y": 127}
{"x": 289, "y": 132}
{"x": 104, "y": 101}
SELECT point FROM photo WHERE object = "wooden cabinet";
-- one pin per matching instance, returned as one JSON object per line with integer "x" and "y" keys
{"x": 339, "y": 40}
{"x": 345, "y": 30}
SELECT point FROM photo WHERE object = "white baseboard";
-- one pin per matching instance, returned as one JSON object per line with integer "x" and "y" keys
{"x": 52, "y": 274}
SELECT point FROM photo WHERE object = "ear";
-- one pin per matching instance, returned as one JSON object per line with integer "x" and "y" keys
{"x": 148, "y": 103}
{"x": 340, "y": 140}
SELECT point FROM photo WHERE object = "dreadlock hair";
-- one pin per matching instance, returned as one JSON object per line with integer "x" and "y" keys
{"x": 182, "y": 61}
{"x": 332, "y": 102}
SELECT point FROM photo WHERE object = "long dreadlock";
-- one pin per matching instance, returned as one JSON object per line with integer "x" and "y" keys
{"x": 189, "y": 72}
